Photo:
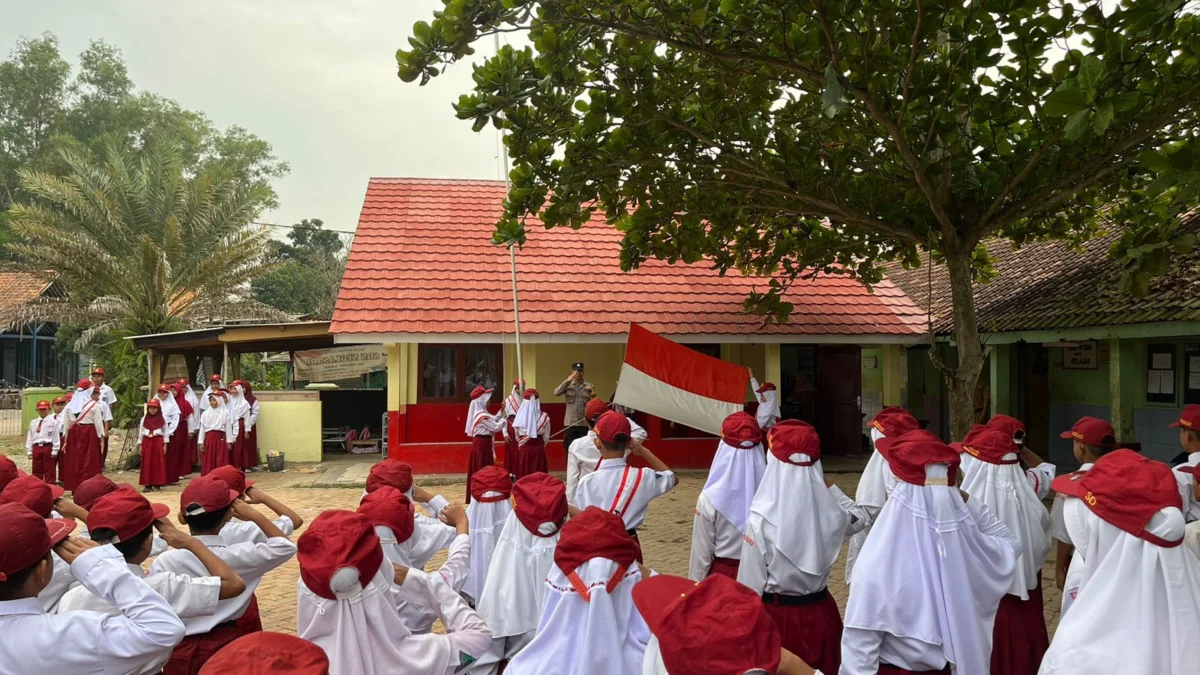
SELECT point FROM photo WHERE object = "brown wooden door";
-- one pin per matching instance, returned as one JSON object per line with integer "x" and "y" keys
{"x": 839, "y": 399}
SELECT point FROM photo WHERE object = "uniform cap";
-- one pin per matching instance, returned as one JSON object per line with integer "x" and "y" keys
{"x": 1093, "y": 431}
{"x": 1188, "y": 419}
{"x": 540, "y": 503}
{"x": 263, "y": 653}
{"x": 36, "y": 494}
{"x": 339, "y": 554}
{"x": 26, "y": 537}
{"x": 909, "y": 454}
{"x": 233, "y": 477}
{"x": 390, "y": 508}
{"x": 792, "y": 441}
{"x": 1125, "y": 489}
{"x": 390, "y": 472}
{"x": 87, "y": 492}
{"x": 125, "y": 512}
{"x": 594, "y": 533}
{"x": 612, "y": 425}
{"x": 206, "y": 494}
{"x": 991, "y": 444}
{"x": 491, "y": 480}
{"x": 741, "y": 430}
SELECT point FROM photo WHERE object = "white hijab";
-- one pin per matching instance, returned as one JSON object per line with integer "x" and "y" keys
{"x": 871, "y": 492}
{"x": 513, "y": 403}
{"x": 189, "y": 395}
{"x": 934, "y": 569}
{"x": 515, "y": 588}
{"x": 79, "y": 399}
{"x": 810, "y": 523}
{"x": 478, "y": 407}
{"x": 1141, "y": 613}
{"x": 529, "y": 417}
{"x": 1005, "y": 490}
{"x": 215, "y": 419}
{"x": 238, "y": 406}
{"x": 768, "y": 409}
{"x": 487, "y": 520}
{"x": 733, "y": 480}
{"x": 605, "y": 635}
{"x": 170, "y": 409}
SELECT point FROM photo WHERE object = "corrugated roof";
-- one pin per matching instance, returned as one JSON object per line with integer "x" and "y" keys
{"x": 1050, "y": 285}
{"x": 17, "y": 288}
{"x": 422, "y": 262}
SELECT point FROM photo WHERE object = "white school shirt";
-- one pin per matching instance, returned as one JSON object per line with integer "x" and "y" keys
{"x": 253, "y": 414}
{"x": 412, "y": 601}
{"x": 763, "y": 570}
{"x": 1040, "y": 478}
{"x": 713, "y": 536}
{"x": 105, "y": 409}
{"x": 1191, "y": 507}
{"x": 108, "y": 395}
{"x": 59, "y": 584}
{"x": 250, "y": 561}
{"x": 1058, "y": 527}
{"x": 82, "y": 643}
{"x": 188, "y": 596}
{"x": 246, "y": 532}
{"x": 63, "y": 419}
{"x": 43, "y": 430}
{"x": 619, "y": 488}
{"x": 582, "y": 457}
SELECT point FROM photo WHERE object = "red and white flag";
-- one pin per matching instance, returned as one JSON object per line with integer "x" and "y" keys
{"x": 671, "y": 381}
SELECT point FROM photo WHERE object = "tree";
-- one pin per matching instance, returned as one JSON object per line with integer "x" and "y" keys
{"x": 308, "y": 272}
{"x": 784, "y": 138}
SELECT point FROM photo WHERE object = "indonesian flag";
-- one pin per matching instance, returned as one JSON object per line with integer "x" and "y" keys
{"x": 668, "y": 380}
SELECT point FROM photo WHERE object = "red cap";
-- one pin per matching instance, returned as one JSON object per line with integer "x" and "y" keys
{"x": 233, "y": 477}
{"x": 87, "y": 492}
{"x": 531, "y": 393}
{"x": 338, "y": 540}
{"x": 43, "y": 405}
{"x": 97, "y": 370}
{"x": 491, "y": 479}
{"x": 611, "y": 426}
{"x": 594, "y": 533}
{"x": 37, "y": 495}
{"x": 714, "y": 627}
{"x": 153, "y": 403}
{"x": 205, "y": 495}
{"x": 1189, "y": 418}
{"x": 540, "y": 502}
{"x": 164, "y": 389}
{"x": 594, "y": 409}
{"x": 182, "y": 380}
{"x": 262, "y": 653}
{"x": 125, "y": 512}
{"x": 26, "y": 537}
{"x": 741, "y": 430}
{"x": 59, "y": 399}
{"x": 215, "y": 378}
{"x": 391, "y": 508}
{"x": 766, "y": 386}
{"x": 83, "y": 384}
{"x": 894, "y": 421}
{"x": 908, "y": 454}
{"x": 791, "y": 438}
{"x": 1125, "y": 489}
{"x": 480, "y": 391}
{"x": 1008, "y": 424}
{"x": 1092, "y": 431}
{"x": 8, "y": 472}
{"x": 390, "y": 472}
{"x": 991, "y": 445}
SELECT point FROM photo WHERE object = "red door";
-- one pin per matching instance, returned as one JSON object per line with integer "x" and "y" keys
{"x": 839, "y": 399}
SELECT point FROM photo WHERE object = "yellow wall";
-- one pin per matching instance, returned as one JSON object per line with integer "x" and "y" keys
{"x": 290, "y": 422}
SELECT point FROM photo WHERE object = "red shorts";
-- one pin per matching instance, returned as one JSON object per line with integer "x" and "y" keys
{"x": 190, "y": 655}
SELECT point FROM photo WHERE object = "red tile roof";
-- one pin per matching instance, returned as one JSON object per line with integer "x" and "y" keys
{"x": 18, "y": 288}
{"x": 422, "y": 262}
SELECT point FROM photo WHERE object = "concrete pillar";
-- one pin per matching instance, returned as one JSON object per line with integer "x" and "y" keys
{"x": 154, "y": 363}
{"x": 774, "y": 366}
{"x": 1002, "y": 381}
{"x": 1124, "y": 374}
{"x": 529, "y": 365}
{"x": 397, "y": 376}
{"x": 895, "y": 366}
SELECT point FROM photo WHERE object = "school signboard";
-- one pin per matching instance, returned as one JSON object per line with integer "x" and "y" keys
{"x": 338, "y": 363}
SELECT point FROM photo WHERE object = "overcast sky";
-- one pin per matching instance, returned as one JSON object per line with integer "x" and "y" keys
{"x": 315, "y": 78}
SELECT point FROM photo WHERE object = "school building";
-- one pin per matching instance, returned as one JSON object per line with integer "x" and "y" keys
{"x": 1066, "y": 341}
{"x": 424, "y": 280}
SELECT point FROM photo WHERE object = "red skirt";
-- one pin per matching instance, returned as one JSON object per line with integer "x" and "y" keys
{"x": 481, "y": 456}
{"x": 1019, "y": 638}
{"x": 250, "y": 621}
{"x": 181, "y": 451}
{"x": 726, "y": 566}
{"x": 252, "y": 458}
{"x": 194, "y": 453}
{"x": 154, "y": 462}
{"x": 237, "y": 453}
{"x": 510, "y": 445}
{"x": 810, "y": 627}
{"x": 531, "y": 458}
{"x": 170, "y": 459}
{"x": 82, "y": 460}
{"x": 216, "y": 451}
{"x": 190, "y": 655}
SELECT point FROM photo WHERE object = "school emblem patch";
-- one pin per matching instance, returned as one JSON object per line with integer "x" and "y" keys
{"x": 465, "y": 661}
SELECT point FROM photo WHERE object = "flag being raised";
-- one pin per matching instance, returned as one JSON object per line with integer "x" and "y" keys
{"x": 671, "y": 381}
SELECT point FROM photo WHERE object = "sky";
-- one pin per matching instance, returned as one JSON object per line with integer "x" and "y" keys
{"x": 315, "y": 78}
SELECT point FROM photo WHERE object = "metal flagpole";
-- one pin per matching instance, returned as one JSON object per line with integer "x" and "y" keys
{"x": 512, "y": 247}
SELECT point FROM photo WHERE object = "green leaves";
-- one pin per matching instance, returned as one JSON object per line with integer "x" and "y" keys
{"x": 833, "y": 99}
{"x": 1068, "y": 99}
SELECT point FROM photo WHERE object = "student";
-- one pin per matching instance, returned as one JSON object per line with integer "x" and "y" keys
{"x": 582, "y": 456}
{"x": 216, "y": 434}
{"x": 46, "y": 501}
{"x": 109, "y": 398}
{"x": 617, "y": 487}
{"x": 724, "y": 502}
{"x": 993, "y": 477}
{"x": 797, "y": 525}
{"x": 1189, "y": 438}
{"x": 172, "y": 416}
{"x": 1039, "y": 473}
{"x": 127, "y": 520}
{"x": 153, "y": 432}
{"x": 515, "y": 590}
{"x": 714, "y": 627}
{"x": 35, "y": 643}
{"x": 533, "y": 434}
{"x": 589, "y": 625}
{"x": 82, "y": 457}
{"x": 214, "y": 385}
{"x": 193, "y": 424}
{"x": 871, "y": 493}
{"x": 239, "y": 413}
{"x": 481, "y": 428}
{"x": 182, "y": 441}
{"x": 268, "y": 653}
{"x": 42, "y": 443}
{"x": 512, "y": 404}
{"x": 392, "y": 515}
{"x": 1138, "y": 609}
{"x": 207, "y": 504}
{"x": 931, "y": 575}
{"x": 431, "y": 534}
{"x": 768, "y": 403}
{"x": 1092, "y": 439}
{"x": 1191, "y": 535}
{"x": 344, "y": 607}
{"x": 251, "y": 451}
{"x": 490, "y": 487}
{"x": 61, "y": 419}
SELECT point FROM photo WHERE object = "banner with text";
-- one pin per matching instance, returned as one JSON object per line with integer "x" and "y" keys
{"x": 339, "y": 363}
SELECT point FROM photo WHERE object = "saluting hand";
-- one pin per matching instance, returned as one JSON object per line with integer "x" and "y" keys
{"x": 72, "y": 547}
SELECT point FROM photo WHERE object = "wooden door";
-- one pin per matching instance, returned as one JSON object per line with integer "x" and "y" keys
{"x": 839, "y": 399}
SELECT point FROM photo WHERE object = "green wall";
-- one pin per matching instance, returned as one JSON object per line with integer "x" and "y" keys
{"x": 872, "y": 378}
{"x": 1078, "y": 386}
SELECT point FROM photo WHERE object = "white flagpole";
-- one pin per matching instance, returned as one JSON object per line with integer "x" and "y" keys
{"x": 512, "y": 247}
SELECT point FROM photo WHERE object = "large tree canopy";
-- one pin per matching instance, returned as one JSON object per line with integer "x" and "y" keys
{"x": 308, "y": 271}
{"x": 783, "y": 138}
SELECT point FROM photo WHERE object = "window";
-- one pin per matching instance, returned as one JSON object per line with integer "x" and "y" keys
{"x": 448, "y": 373}
{"x": 1191, "y": 386}
{"x": 1160, "y": 378}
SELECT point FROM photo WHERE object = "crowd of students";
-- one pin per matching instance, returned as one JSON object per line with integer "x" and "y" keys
{"x": 544, "y": 577}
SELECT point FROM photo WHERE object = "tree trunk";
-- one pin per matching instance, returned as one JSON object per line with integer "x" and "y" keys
{"x": 961, "y": 385}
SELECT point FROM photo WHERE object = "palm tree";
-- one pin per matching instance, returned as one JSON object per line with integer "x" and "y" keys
{"x": 138, "y": 246}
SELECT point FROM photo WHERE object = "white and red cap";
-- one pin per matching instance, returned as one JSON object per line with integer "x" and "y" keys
{"x": 741, "y": 430}
{"x": 84, "y": 384}
{"x": 390, "y": 508}
{"x": 264, "y": 653}
{"x": 26, "y": 537}
{"x": 390, "y": 472}
{"x": 125, "y": 512}
{"x": 339, "y": 554}
{"x": 479, "y": 390}
{"x": 795, "y": 442}
{"x": 43, "y": 405}
{"x": 1125, "y": 490}
{"x": 531, "y": 393}
{"x": 36, "y": 494}
{"x": 234, "y": 477}
{"x": 215, "y": 378}
{"x": 540, "y": 503}
{"x": 1010, "y": 425}
{"x": 97, "y": 370}
{"x": 612, "y": 426}
{"x": 894, "y": 421}
{"x": 491, "y": 484}
{"x": 994, "y": 445}
{"x": 909, "y": 454}
{"x": 1091, "y": 430}
{"x": 206, "y": 494}
{"x": 1188, "y": 419}
{"x": 766, "y": 386}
